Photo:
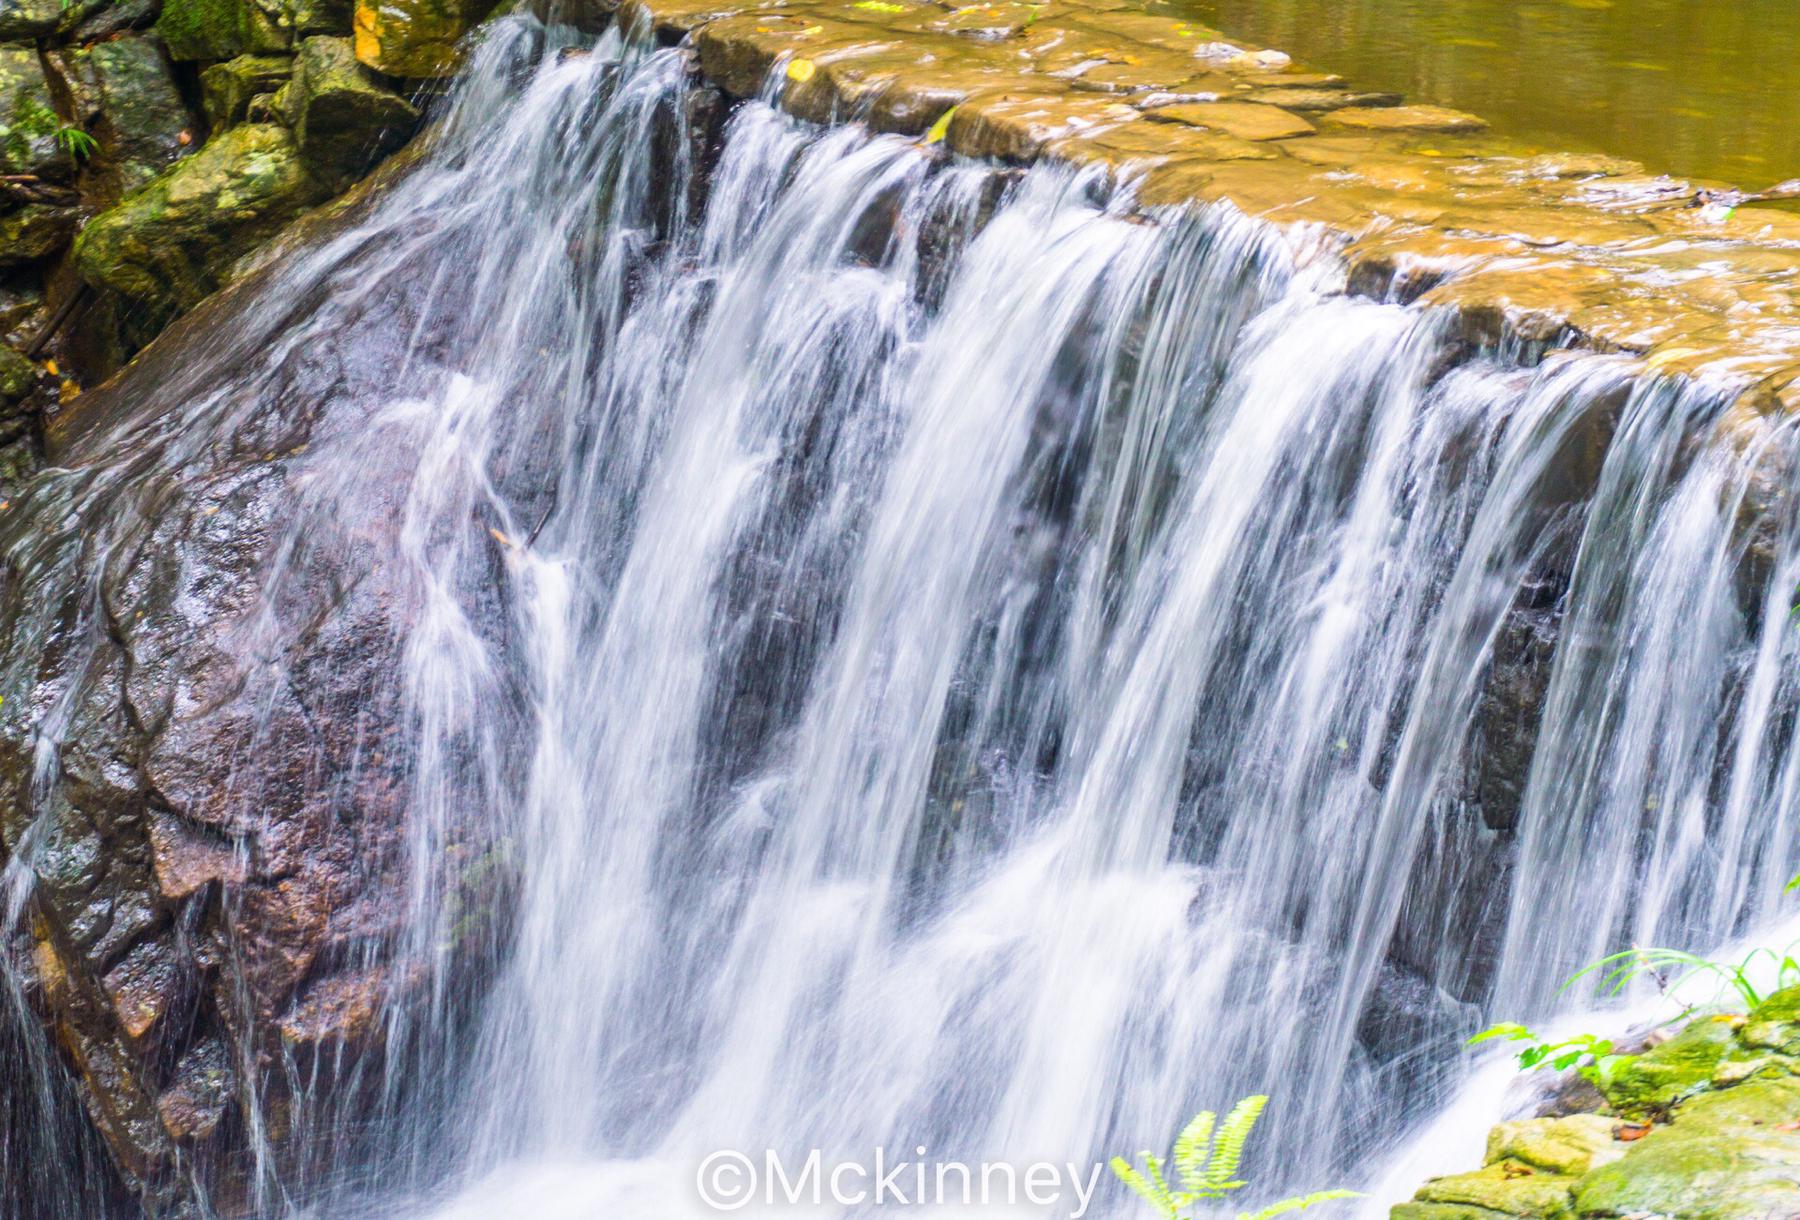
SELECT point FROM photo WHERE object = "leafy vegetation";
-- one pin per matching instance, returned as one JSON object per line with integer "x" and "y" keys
{"x": 1593, "y": 1058}
{"x": 1207, "y": 1154}
{"x": 1737, "y": 979}
{"x": 76, "y": 142}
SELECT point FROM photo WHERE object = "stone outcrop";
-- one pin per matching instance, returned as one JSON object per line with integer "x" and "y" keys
{"x": 1704, "y": 1126}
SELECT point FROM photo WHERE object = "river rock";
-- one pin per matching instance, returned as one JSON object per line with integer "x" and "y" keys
{"x": 416, "y": 39}
{"x": 226, "y": 89}
{"x": 1244, "y": 120}
{"x": 124, "y": 93}
{"x": 172, "y": 243}
{"x": 1724, "y": 1157}
{"x": 1407, "y": 118}
{"x": 25, "y": 19}
{"x": 345, "y": 118}
{"x": 219, "y": 29}
{"x": 34, "y": 232}
{"x": 28, "y": 119}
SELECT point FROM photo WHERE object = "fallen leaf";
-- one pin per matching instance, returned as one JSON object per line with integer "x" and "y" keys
{"x": 801, "y": 70}
{"x": 941, "y": 128}
{"x": 1627, "y": 1132}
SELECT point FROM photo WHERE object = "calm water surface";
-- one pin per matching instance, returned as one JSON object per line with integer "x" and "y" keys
{"x": 1701, "y": 88}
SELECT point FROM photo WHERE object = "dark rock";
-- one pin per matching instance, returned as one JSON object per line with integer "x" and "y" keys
{"x": 21, "y": 20}
{"x": 1509, "y": 712}
{"x": 226, "y": 89}
{"x": 345, "y": 119}
{"x": 124, "y": 93}
{"x": 34, "y": 232}
{"x": 110, "y": 17}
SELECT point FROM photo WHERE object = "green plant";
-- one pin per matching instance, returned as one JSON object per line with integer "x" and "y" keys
{"x": 1206, "y": 1156}
{"x": 1672, "y": 969}
{"x": 76, "y": 142}
{"x": 1592, "y": 1057}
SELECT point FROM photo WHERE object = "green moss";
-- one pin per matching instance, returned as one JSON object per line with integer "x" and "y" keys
{"x": 1508, "y": 1187}
{"x": 28, "y": 121}
{"x": 34, "y": 232}
{"x": 17, "y": 374}
{"x": 26, "y": 19}
{"x": 1571, "y": 1145}
{"x": 1775, "y": 1023}
{"x": 1724, "y": 1157}
{"x": 226, "y": 89}
{"x": 1445, "y": 1211}
{"x": 218, "y": 29}
{"x": 173, "y": 242}
{"x": 1679, "y": 1068}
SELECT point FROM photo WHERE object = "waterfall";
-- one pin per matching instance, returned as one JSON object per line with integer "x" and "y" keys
{"x": 890, "y": 652}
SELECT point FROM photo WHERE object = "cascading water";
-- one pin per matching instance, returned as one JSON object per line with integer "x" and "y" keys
{"x": 904, "y": 654}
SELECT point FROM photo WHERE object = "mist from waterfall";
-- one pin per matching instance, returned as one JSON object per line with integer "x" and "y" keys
{"x": 910, "y": 653}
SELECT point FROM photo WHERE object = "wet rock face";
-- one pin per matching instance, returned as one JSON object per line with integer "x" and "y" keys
{"x": 206, "y": 759}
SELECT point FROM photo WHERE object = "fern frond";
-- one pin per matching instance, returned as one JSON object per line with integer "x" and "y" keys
{"x": 1228, "y": 1148}
{"x": 1153, "y": 1167}
{"x": 1298, "y": 1204}
{"x": 1194, "y": 1148}
{"x": 1154, "y": 1193}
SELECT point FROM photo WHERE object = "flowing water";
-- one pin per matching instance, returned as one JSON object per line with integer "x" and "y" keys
{"x": 993, "y": 675}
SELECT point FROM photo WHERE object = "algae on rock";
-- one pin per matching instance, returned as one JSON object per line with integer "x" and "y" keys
{"x": 173, "y": 242}
{"x": 1725, "y": 1143}
{"x": 28, "y": 120}
{"x": 226, "y": 89}
{"x": 219, "y": 29}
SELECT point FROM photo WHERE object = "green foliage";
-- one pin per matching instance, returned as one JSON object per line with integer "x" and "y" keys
{"x": 1592, "y": 1057}
{"x": 76, "y": 142}
{"x": 1206, "y": 1157}
{"x": 1672, "y": 969}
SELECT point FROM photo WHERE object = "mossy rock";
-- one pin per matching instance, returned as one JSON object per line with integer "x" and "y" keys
{"x": 28, "y": 118}
{"x": 415, "y": 39}
{"x": 1445, "y": 1211}
{"x": 17, "y": 375}
{"x": 321, "y": 16}
{"x": 1723, "y": 1157}
{"x": 1775, "y": 1023}
{"x": 34, "y": 232}
{"x": 172, "y": 243}
{"x": 1571, "y": 1145}
{"x": 345, "y": 119}
{"x": 219, "y": 29}
{"x": 1509, "y": 1188}
{"x": 123, "y": 91}
{"x": 1679, "y": 1068}
{"x": 226, "y": 89}
{"x": 26, "y": 19}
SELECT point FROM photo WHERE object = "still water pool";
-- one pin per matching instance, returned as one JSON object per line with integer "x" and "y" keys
{"x": 1700, "y": 88}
